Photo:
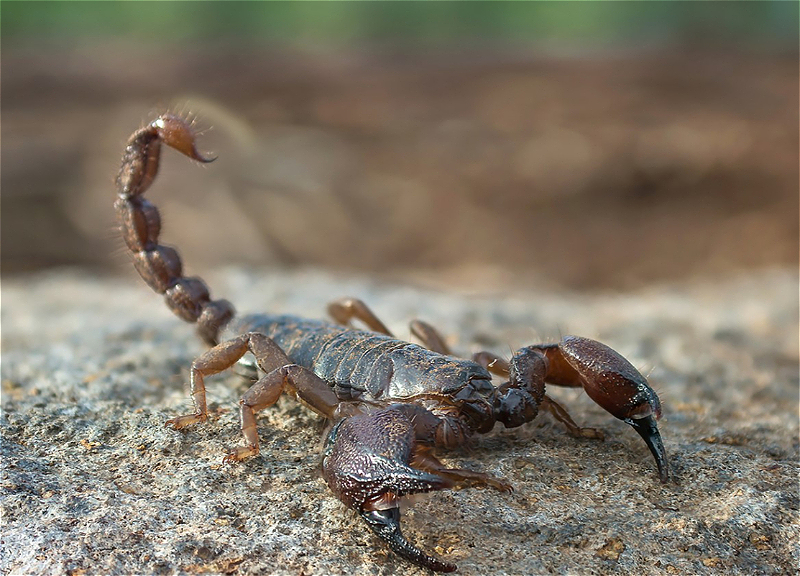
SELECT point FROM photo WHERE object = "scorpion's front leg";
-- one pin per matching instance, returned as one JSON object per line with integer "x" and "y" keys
{"x": 369, "y": 463}
{"x": 281, "y": 375}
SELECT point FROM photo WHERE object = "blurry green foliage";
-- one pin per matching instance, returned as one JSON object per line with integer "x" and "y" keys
{"x": 571, "y": 23}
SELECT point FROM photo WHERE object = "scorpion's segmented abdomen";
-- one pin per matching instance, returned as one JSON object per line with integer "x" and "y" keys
{"x": 359, "y": 363}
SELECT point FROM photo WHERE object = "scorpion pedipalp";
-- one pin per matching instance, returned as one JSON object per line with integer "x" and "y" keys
{"x": 366, "y": 463}
{"x": 386, "y": 524}
{"x": 604, "y": 374}
{"x": 613, "y": 383}
{"x": 606, "y": 377}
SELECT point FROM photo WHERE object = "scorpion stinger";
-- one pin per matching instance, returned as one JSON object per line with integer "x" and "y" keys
{"x": 140, "y": 223}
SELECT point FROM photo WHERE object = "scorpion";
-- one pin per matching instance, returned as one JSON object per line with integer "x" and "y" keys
{"x": 391, "y": 402}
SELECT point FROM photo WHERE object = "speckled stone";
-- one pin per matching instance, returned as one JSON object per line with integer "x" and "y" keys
{"x": 93, "y": 483}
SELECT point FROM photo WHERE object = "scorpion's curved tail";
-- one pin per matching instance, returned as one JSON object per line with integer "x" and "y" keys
{"x": 140, "y": 224}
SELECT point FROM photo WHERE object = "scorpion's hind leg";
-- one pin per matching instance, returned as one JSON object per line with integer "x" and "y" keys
{"x": 608, "y": 379}
{"x": 368, "y": 464}
{"x": 346, "y": 309}
{"x": 343, "y": 311}
{"x": 281, "y": 375}
{"x": 430, "y": 337}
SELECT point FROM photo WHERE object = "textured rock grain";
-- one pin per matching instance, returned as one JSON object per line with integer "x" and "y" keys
{"x": 93, "y": 483}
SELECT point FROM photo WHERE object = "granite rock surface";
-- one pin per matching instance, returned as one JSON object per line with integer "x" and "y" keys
{"x": 93, "y": 483}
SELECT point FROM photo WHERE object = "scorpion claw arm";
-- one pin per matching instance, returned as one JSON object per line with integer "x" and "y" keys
{"x": 386, "y": 525}
{"x": 608, "y": 379}
{"x": 367, "y": 463}
{"x": 648, "y": 429}
{"x": 605, "y": 375}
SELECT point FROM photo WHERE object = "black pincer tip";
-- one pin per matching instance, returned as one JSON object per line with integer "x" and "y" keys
{"x": 647, "y": 428}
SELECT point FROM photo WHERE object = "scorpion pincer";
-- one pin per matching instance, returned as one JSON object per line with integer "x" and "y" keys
{"x": 391, "y": 402}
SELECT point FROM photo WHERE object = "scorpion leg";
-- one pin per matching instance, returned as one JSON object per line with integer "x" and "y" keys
{"x": 298, "y": 380}
{"x": 368, "y": 462}
{"x": 344, "y": 310}
{"x": 281, "y": 375}
{"x": 497, "y": 365}
{"x": 560, "y": 413}
{"x": 492, "y": 362}
{"x": 430, "y": 337}
{"x": 461, "y": 478}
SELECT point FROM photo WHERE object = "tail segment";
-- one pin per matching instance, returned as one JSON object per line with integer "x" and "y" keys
{"x": 140, "y": 224}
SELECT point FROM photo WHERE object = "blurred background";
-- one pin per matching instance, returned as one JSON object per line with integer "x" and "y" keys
{"x": 584, "y": 145}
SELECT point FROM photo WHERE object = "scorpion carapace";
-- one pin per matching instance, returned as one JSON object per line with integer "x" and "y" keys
{"x": 392, "y": 402}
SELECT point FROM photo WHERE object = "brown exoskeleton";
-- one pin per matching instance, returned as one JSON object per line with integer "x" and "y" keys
{"x": 391, "y": 402}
